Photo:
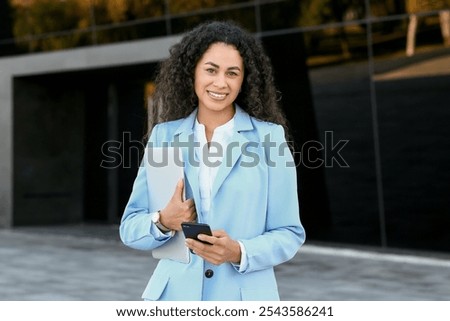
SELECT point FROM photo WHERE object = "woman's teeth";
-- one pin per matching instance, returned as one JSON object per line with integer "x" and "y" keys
{"x": 216, "y": 95}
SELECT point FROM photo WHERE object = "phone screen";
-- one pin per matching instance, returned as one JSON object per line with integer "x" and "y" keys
{"x": 191, "y": 230}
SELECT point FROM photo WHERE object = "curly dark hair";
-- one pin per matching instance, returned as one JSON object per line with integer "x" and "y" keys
{"x": 175, "y": 96}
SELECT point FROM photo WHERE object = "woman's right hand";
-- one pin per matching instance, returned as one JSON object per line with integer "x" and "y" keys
{"x": 177, "y": 210}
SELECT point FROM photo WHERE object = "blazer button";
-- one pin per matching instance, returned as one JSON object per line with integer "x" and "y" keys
{"x": 209, "y": 273}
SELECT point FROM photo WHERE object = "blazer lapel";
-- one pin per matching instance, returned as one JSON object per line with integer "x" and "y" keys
{"x": 184, "y": 135}
{"x": 233, "y": 150}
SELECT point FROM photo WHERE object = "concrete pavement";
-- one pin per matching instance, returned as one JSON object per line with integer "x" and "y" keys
{"x": 90, "y": 263}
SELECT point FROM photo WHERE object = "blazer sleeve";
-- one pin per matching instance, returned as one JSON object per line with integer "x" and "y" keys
{"x": 136, "y": 227}
{"x": 284, "y": 233}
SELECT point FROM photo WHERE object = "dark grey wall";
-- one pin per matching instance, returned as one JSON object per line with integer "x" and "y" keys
{"x": 48, "y": 152}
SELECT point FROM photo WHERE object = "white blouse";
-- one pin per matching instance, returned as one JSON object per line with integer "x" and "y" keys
{"x": 209, "y": 158}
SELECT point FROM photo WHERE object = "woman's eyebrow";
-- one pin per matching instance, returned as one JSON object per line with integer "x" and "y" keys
{"x": 217, "y": 66}
{"x": 212, "y": 64}
{"x": 234, "y": 68}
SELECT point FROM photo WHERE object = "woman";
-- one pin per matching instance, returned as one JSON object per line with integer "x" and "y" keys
{"x": 216, "y": 89}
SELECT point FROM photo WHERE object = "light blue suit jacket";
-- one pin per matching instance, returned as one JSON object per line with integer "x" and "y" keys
{"x": 254, "y": 199}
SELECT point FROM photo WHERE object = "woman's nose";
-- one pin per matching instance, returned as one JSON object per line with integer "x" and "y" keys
{"x": 219, "y": 81}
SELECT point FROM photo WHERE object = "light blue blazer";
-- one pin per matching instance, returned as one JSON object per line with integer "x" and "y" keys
{"x": 254, "y": 199}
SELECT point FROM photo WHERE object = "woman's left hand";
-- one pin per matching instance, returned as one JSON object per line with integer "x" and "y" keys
{"x": 220, "y": 250}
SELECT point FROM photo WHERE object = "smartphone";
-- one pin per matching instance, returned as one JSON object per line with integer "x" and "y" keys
{"x": 191, "y": 230}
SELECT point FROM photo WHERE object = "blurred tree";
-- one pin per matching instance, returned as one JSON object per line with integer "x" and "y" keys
{"x": 34, "y": 19}
{"x": 181, "y": 6}
{"x": 57, "y": 24}
{"x": 121, "y": 19}
{"x": 189, "y": 13}
{"x": 52, "y": 25}
{"x": 116, "y": 11}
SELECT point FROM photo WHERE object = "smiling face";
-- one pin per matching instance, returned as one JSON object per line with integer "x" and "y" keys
{"x": 218, "y": 78}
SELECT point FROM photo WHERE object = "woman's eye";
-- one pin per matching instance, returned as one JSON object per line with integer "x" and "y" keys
{"x": 210, "y": 70}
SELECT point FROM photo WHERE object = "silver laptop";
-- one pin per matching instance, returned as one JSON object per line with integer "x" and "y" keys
{"x": 164, "y": 169}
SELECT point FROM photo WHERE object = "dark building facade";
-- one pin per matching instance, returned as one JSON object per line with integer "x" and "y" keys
{"x": 365, "y": 85}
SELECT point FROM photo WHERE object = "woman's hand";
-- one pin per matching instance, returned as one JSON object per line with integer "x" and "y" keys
{"x": 177, "y": 210}
{"x": 220, "y": 250}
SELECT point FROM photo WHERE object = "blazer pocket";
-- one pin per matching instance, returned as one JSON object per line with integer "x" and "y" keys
{"x": 155, "y": 288}
{"x": 259, "y": 294}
